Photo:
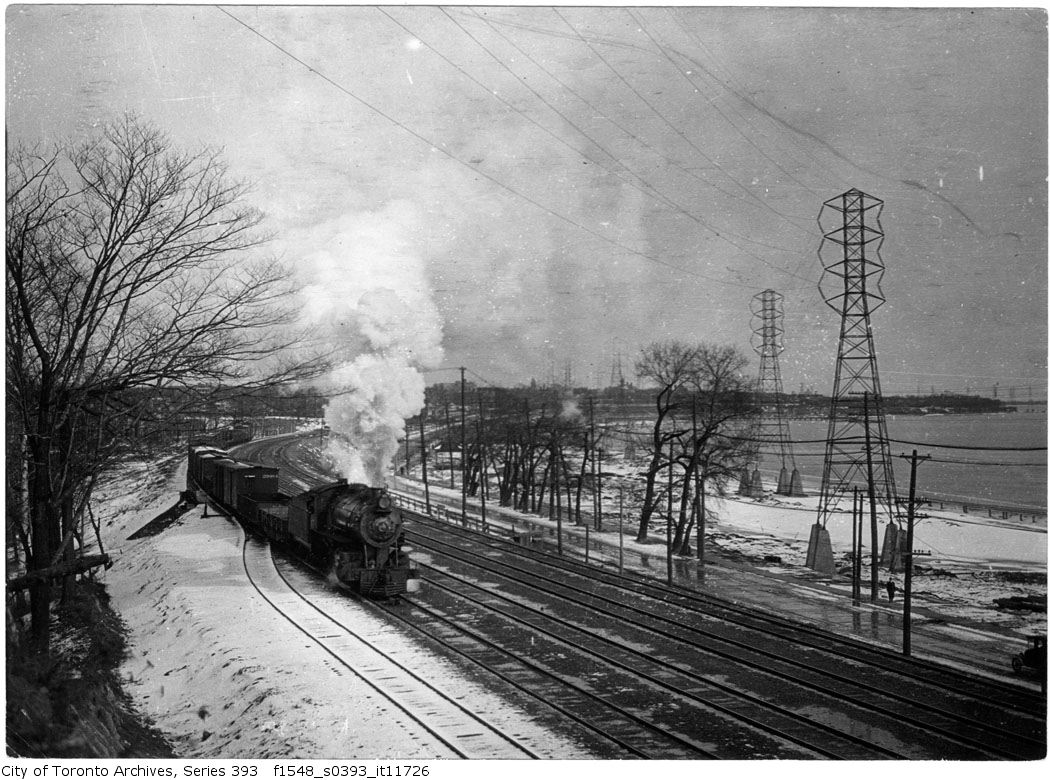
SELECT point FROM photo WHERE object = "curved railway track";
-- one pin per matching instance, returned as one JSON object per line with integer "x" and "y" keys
{"x": 438, "y": 713}
{"x": 665, "y": 672}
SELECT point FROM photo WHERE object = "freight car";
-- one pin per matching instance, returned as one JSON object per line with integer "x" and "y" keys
{"x": 355, "y": 529}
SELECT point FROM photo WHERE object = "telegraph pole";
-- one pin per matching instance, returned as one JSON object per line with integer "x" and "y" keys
{"x": 481, "y": 456}
{"x": 670, "y": 506}
{"x": 621, "y": 526}
{"x": 858, "y": 514}
{"x": 423, "y": 455}
{"x": 871, "y": 499}
{"x": 463, "y": 438}
{"x": 448, "y": 439}
{"x": 909, "y": 551}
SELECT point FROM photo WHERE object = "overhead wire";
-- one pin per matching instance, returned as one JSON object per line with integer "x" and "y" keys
{"x": 635, "y": 137}
{"x": 674, "y": 13}
{"x": 861, "y": 440}
{"x": 648, "y": 190}
{"x": 502, "y": 185}
{"x": 656, "y": 112}
{"x": 715, "y": 106}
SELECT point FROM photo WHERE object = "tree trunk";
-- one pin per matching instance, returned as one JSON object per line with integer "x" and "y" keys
{"x": 649, "y": 502}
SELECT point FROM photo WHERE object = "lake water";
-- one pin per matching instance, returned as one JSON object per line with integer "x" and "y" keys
{"x": 1015, "y": 479}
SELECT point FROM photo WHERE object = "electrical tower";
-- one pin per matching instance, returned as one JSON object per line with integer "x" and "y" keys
{"x": 616, "y": 378}
{"x": 857, "y": 449}
{"x": 774, "y": 435}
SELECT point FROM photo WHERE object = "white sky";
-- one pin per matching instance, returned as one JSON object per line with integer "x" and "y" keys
{"x": 572, "y": 184}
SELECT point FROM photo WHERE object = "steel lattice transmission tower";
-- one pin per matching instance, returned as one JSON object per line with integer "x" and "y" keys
{"x": 774, "y": 435}
{"x": 857, "y": 448}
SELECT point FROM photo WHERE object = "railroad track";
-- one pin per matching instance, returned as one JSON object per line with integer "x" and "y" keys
{"x": 982, "y": 697}
{"x": 734, "y": 683}
{"x": 455, "y": 731}
{"x": 827, "y": 713}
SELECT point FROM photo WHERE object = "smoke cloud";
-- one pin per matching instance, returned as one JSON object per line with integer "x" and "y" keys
{"x": 370, "y": 303}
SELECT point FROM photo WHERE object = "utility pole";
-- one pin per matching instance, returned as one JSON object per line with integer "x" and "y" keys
{"x": 481, "y": 456}
{"x": 871, "y": 499}
{"x": 423, "y": 455}
{"x": 448, "y": 439}
{"x": 909, "y": 551}
{"x": 858, "y": 530}
{"x": 408, "y": 445}
{"x": 621, "y": 526}
{"x": 670, "y": 507}
{"x": 595, "y": 502}
{"x": 555, "y": 493}
{"x": 463, "y": 438}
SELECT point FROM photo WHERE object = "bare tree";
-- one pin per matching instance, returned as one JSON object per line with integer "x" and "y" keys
{"x": 670, "y": 366}
{"x": 703, "y": 405}
{"x": 722, "y": 413}
{"x": 131, "y": 289}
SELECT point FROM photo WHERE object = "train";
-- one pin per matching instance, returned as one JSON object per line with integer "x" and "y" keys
{"x": 355, "y": 529}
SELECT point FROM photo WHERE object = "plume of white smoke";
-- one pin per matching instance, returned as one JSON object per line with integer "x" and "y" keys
{"x": 370, "y": 301}
{"x": 570, "y": 410}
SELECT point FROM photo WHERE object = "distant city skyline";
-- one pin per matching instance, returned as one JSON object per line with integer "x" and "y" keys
{"x": 536, "y": 187}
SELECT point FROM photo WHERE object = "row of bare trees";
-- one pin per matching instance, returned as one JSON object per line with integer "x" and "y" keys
{"x": 133, "y": 293}
{"x": 539, "y": 448}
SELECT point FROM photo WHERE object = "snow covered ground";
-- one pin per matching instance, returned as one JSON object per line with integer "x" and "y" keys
{"x": 222, "y": 676}
{"x": 968, "y": 568}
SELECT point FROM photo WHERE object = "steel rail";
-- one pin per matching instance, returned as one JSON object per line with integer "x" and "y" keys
{"x": 559, "y": 586}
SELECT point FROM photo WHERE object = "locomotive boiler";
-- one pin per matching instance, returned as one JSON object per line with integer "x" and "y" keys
{"x": 355, "y": 529}
{"x": 359, "y": 528}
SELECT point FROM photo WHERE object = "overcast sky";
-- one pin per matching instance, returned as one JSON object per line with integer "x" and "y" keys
{"x": 568, "y": 185}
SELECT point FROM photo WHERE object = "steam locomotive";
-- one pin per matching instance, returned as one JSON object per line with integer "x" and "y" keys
{"x": 355, "y": 528}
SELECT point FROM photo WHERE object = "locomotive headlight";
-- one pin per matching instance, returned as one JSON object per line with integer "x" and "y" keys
{"x": 384, "y": 502}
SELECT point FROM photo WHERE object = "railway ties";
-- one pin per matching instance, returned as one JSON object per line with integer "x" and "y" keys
{"x": 444, "y": 719}
{"x": 685, "y": 717}
{"x": 717, "y": 680}
{"x": 862, "y": 711}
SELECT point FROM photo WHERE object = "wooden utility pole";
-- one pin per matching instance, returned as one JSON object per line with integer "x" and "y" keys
{"x": 423, "y": 455}
{"x": 463, "y": 438}
{"x": 448, "y": 440}
{"x": 670, "y": 507}
{"x": 909, "y": 551}
{"x": 871, "y": 499}
{"x": 621, "y": 527}
{"x": 858, "y": 530}
{"x": 595, "y": 470}
{"x": 481, "y": 456}
{"x": 555, "y": 493}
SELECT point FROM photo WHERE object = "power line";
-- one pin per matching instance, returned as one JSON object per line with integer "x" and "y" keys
{"x": 436, "y": 147}
{"x": 860, "y": 439}
{"x": 718, "y": 110}
{"x": 649, "y": 190}
{"x": 634, "y": 137}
